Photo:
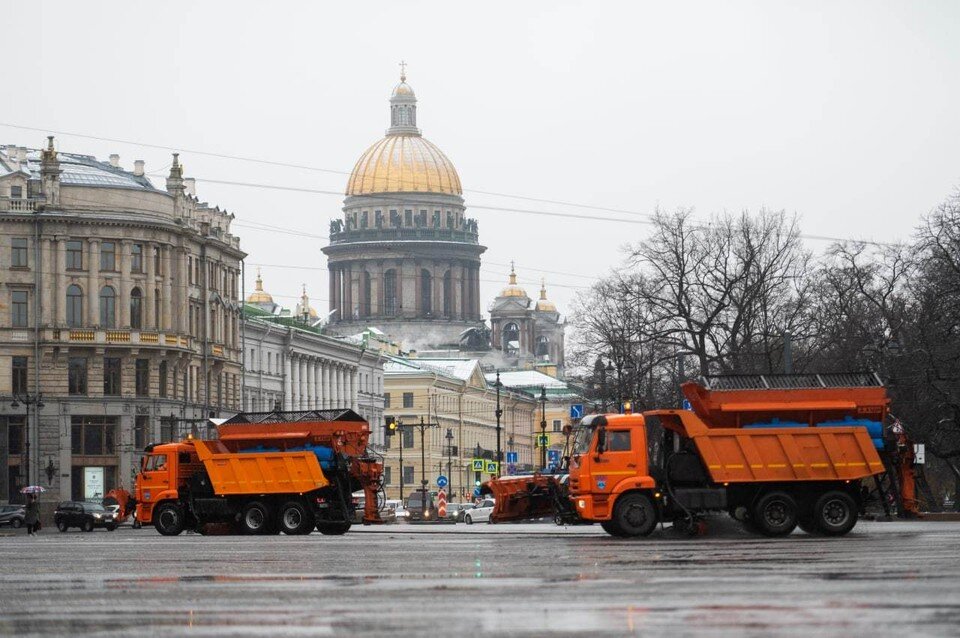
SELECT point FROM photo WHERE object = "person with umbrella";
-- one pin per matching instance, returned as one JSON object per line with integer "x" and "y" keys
{"x": 32, "y": 515}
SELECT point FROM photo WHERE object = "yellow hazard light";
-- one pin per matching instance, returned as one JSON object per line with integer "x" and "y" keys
{"x": 190, "y": 436}
{"x": 581, "y": 503}
{"x": 627, "y": 407}
{"x": 656, "y": 495}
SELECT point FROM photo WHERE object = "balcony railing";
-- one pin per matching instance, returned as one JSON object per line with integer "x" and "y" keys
{"x": 404, "y": 234}
{"x": 19, "y": 205}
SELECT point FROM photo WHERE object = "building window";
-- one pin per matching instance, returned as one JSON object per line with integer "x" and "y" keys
{"x": 408, "y": 399}
{"x": 407, "y": 475}
{"x": 77, "y": 375}
{"x": 108, "y": 307}
{"x": 141, "y": 430}
{"x": 136, "y": 258}
{"x": 18, "y": 256}
{"x": 557, "y": 425}
{"x": 16, "y": 192}
{"x": 387, "y": 475}
{"x": 447, "y": 294}
{"x": 365, "y": 308}
{"x": 15, "y": 430}
{"x": 93, "y": 435}
{"x": 408, "y": 217}
{"x": 19, "y": 311}
{"x": 74, "y": 306}
{"x": 108, "y": 256}
{"x": 162, "y": 379}
{"x": 18, "y": 382}
{"x": 406, "y": 436}
{"x": 142, "y": 377}
{"x": 111, "y": 376}
{"x": 156, "y": 261}
{"x": 386, "y": 400}
{"x": 390, "y": 293}
{"x": 426, "y": 292}
{"x": 74, "y": 255}
{"x": 156, "y": 307}
{"x": 136, "y": 308}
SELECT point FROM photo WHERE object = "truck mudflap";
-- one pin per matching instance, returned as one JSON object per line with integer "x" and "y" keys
{"x": 530, "y": 497}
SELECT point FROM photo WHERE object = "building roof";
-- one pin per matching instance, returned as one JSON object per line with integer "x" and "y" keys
{"x": 513, "y": 289}
{"x": 527, "y": 378}
{"x": 77, "y": 170}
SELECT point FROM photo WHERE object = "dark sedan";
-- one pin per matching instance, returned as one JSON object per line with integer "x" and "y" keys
{"x": 12, "y": 515}
{"x": 86, "y": 516}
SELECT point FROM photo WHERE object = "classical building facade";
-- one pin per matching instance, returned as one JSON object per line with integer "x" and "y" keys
{"x": 119, "y": 304}
{"x": 405, "y": 257}
{"x": 454, "y": 395}
{"x": 290, "y": 365}
{"x": 527, "y": 334}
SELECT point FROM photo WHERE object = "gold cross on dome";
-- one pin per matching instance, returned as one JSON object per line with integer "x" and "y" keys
{"x": 403, "y": 71}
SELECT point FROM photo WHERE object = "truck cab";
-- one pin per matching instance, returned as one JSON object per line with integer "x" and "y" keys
{"x": 163, "y": 471}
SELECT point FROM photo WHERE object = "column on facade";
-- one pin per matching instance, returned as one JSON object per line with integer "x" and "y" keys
{"x": 149, "y": 318}
{"x": 348, "y": 292}
{"x": 398, "y": 269}
{"x": 294, "y": 362}
{"x": 456, "y": 296}
{"x": 287, "y": 382}
{"x": 311, "y": 385}
{"x": 317, "y": 382}
{"x": 166, "y": 275}
{"x": 123, "y": 294}
{"x": 302, "y": 402}
{"x": 325, "y": 384}
{"x": 93, "y": 290}
{"x": 354, "y": 389}
{"x": 337, "y": 387}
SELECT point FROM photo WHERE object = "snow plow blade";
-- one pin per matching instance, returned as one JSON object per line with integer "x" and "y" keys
{"x": 529, "y": 497}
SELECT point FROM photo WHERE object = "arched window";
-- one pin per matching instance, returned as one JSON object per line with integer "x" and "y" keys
{"x": 156, "y": 308}
{"x": 162, "y": 378}
{"x": 74, "y": 306}
{"x": 543, "y": 347}
{"x": 510, "y": 338}
{"x": 426, "y": 292}
{"x": 108, "y": 307}
{"x": 136, "y": 308}
{"x": 390, "y": 293}
{"x": 447, "y": 294}
{"x": 365, "y": 309}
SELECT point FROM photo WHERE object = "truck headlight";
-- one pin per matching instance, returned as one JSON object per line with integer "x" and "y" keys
{"x": 581, "y": 503}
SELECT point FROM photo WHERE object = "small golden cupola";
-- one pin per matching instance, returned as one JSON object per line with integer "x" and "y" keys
{"x": 513, "y": 290}
{"x": 543, "y": 304}
{"x": 259, "y": 296}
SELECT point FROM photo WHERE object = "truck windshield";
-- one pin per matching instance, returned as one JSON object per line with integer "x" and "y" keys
{"x": 582, "y": 436}
{"x": 155, "y": 462}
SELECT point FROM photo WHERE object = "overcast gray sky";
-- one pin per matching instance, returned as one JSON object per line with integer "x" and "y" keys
{"x": 843, "y": 112}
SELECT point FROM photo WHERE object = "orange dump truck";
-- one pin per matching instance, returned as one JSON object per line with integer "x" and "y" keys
{"x": 773, "y": 451}
{"x": 265, "y": 473}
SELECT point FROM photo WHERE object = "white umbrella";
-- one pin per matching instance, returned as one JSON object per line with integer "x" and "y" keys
{"x": 33, "y": 489}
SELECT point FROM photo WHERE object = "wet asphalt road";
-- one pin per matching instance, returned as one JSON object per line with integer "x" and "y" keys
{"x": 900, "y": 578}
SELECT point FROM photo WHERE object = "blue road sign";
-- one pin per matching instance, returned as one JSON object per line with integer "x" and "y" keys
{"x": 553, "y": 456}
{"x": 576, "y": 411}
{"x": 442, "y": 481}
{"x": 686, "y": 405}
{"x": 513, "y": 457}
{"x": 476, "y": 492}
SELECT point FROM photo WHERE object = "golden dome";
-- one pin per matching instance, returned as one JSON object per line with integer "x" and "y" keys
{"x": 513, "y": 290}
{"x": 543, "y": 304}
{"x": 403, "y": 89}
{"x": 403, "y": 164}
{"x": 258, "y": 295}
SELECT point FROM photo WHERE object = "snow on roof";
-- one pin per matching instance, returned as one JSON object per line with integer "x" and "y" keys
{"x": 460, "y": 368}
{"x": 526, "y": 378}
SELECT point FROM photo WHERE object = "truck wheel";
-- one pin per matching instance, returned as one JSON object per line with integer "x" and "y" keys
{"x": 255, "y": 518}
{"x": 835, "y": 513}
{"x": 610, "y": 527}
{"x": 168, "y": 519}
{"x": 295, "y": 518}
{"x": 635, "y": 515}
{"x": 333, "y": 529}
{"x": 775, "y": 514}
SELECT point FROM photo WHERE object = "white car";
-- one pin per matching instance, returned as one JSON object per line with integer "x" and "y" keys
{"x": 402, "y": 513}
{"x": 480, "y": 513}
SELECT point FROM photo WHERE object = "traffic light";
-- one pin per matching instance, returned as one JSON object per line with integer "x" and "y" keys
{"x": 390, "y": 425}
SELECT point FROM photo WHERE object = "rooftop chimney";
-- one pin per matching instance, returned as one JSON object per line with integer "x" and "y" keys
{"x": 114, "y": 160}
{"x": 190, "y": 185}
{"x": 138, "y": 168}
{"x": 22, "y": 154}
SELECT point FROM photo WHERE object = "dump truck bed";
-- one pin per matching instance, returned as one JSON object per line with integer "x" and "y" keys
{"x": 739, "y": 455}
{"x": 234, "y": 473}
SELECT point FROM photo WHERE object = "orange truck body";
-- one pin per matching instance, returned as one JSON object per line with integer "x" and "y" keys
{"x": 726, "y": 453}
{"x": 262, "y": 461}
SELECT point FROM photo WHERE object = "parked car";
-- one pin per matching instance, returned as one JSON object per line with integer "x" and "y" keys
{"x": 462, "y": 512}
{"x": 480, "y": 513}
{"x": 12, "y": 515}
{"x": 400, "y": 512}
{"x": 86, "y": 516}
{"x": 388, "y": 514}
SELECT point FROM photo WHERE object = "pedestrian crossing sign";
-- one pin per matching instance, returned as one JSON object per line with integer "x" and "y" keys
{"x": 543, "y": 440}
{"x": 478, "y": 465}
{"x": 492, "y": 467}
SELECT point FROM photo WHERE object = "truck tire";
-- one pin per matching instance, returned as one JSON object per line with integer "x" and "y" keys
{"x": 333, "y": 529}
{"x": 168, "y": 519}
{"x": 294, "y": 518}
{"x": 835, "y": 513}
{"x": 610, "y": 527}
{"x": 255, "y": 518}
{"x": 635, "y": 515}
{"x": 775, "y": 514}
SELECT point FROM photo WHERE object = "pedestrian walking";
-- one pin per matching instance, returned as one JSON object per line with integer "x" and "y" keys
{"x": 32, "y": 517}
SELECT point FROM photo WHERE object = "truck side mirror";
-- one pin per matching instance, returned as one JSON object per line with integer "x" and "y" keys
{"x": 601, "y": 439}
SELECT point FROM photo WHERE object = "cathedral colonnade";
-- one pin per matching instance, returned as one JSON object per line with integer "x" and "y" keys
{"x": 316, "y": 383}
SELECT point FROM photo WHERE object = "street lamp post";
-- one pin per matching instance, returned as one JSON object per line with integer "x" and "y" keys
{"x": 543, "y": 427}
{"x": 499, "y": 413}
{"x": 27, "y": 400}
{"x": 449, "y": 438}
